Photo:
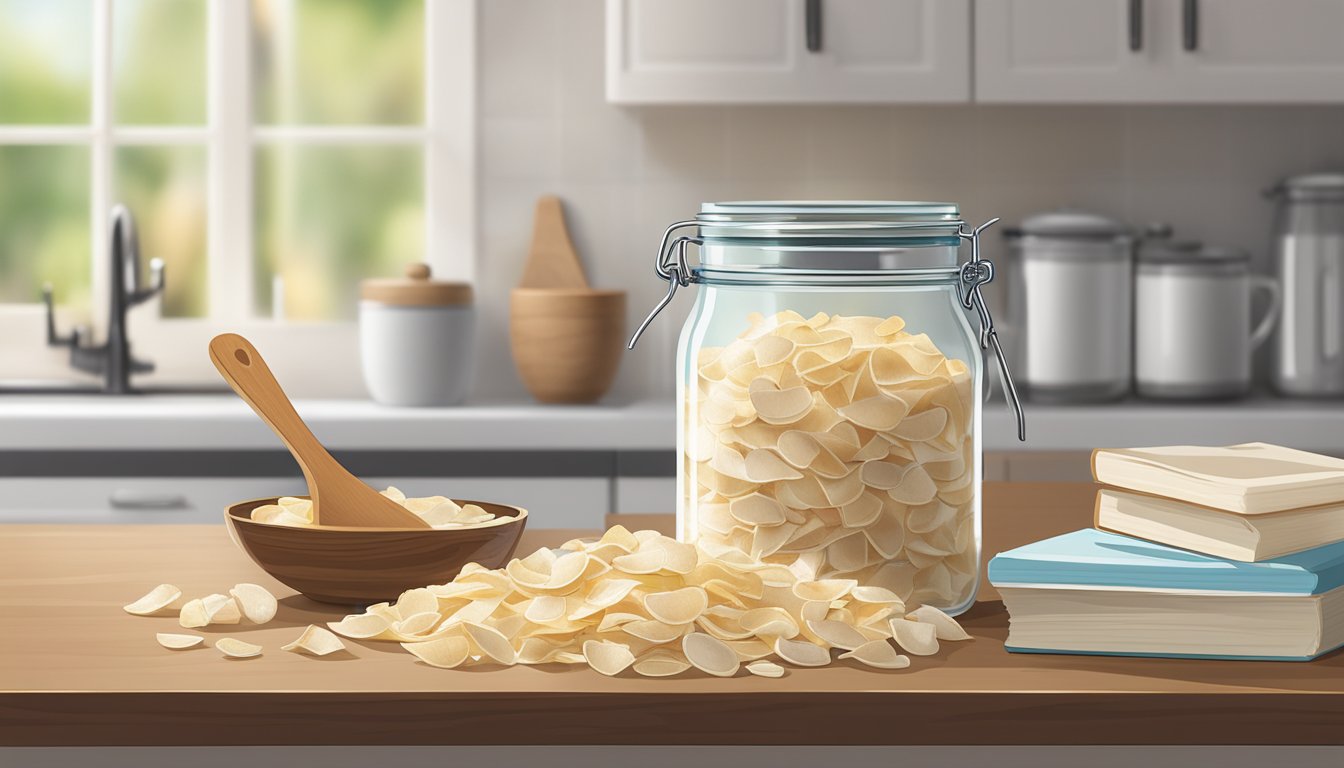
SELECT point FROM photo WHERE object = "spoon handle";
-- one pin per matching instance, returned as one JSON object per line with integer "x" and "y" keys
{"x": 243, "y": 368}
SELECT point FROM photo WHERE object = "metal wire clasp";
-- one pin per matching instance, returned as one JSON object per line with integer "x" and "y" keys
{"x": 674, "y": 269}
{"x": 974, "y": 274}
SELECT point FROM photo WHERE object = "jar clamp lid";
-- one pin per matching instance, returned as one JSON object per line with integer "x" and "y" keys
{"x": 416, "y": 289}
{"x": 805, "y": 240}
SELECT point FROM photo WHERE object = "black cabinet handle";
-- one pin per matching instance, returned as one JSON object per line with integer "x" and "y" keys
{"x": 813, "y": 20}
{"x": 1135, "y": 25}
{"x": 1190, "y": 24}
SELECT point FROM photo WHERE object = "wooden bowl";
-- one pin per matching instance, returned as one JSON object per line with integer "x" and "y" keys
{"x": 359, "y": 566}
{"x": 567, "y": 343}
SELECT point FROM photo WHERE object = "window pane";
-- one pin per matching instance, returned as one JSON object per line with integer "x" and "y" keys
{"x": 165, "y": 188}
{"x": 338, "y": 61}
{"x": 158, "y": 65}
{"x": 329, "y": 216}
{"x": 44, "y": 223}
{"x": 45, "y": 61}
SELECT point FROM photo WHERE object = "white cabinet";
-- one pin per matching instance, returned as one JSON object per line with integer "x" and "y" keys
{"x": 787, "y": 51}
{"x": 1252, "y": 50}
{"x": 561, "y": 502}
{"x": 1064, "y": 50}
{"x": 1235, "y": 51}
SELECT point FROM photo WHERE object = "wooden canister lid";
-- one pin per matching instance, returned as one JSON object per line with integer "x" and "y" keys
{"x": 416, "y": 289}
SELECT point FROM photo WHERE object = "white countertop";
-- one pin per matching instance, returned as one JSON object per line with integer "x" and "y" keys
{"x": 1310, "y": 425}
{"x": 223, "y": 422}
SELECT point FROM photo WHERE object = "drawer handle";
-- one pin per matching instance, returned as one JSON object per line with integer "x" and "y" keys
{"x": 131, "y": 498}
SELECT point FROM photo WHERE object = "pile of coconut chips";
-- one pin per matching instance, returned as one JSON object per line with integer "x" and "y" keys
{"x": 647, "y": 602}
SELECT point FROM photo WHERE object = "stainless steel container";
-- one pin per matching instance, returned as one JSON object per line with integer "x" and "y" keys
{"x": 1071, "y": 302}
{"x": 1309, "y": 251}
{"x": 1192, "y": 320}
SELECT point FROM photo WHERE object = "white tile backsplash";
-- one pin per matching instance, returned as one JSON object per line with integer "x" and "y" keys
{"x": 627, "y": 172}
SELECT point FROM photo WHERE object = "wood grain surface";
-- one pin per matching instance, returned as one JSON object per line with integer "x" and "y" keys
{"x": 369, "y": 565}
{"x": 76, "y": 670}
{"x": 567, "y": 344}
{"x": 552, "y": 261}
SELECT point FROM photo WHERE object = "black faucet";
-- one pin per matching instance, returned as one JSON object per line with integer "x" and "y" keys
{"x": 112, "y": 359}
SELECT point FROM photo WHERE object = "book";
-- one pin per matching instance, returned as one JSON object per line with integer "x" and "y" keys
{"x": 1095, "y": 592}
{"x": 1216, "y": 532}
{"x": 1252, "y": 478}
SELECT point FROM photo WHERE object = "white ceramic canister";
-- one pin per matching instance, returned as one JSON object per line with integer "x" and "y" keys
{"x": 1193, "y": 336}
{"x": 415, "y": 339}
{"x": 1070, "y": 303}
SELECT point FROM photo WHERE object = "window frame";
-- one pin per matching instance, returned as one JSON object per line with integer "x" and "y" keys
{"x": 231, "y": 137}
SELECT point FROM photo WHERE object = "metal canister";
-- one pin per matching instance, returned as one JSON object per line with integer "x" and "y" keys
{"x": 1071, "y": 304}
{"x": 1309, "y": 255}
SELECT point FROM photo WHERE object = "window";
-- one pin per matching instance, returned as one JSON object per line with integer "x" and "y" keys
{"x": 274, "y": 152}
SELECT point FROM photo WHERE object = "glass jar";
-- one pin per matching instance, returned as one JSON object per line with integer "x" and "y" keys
{"x": 830, "y": 390}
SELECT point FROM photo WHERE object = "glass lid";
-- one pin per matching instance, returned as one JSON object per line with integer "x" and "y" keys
{"x": 829, "y": 209}
{"x": 819, "y": 220}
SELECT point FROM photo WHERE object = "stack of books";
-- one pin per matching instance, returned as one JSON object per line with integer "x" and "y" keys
{"x": 1231, "y": 552}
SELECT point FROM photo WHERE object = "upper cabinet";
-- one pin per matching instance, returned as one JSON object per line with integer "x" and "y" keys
{"x": 1065, "y": 50}
{"x": 1077, "y": 51}
{"x": 788, "y": 51}
{"x": 1252, "y": 50}
{"x": 1025, "y": 51}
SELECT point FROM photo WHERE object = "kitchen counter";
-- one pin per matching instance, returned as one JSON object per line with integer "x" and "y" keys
{"x": 223, "y": 422}
{"x": 1310, "y": 425}
{"x": 76, "y": 670}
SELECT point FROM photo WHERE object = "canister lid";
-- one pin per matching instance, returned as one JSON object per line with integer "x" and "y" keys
{"x": 1311, "y": 186}
{"x": 1070, "y": 224}
{"x": 1190, "y": 253}
{"x": 416, "y": 289}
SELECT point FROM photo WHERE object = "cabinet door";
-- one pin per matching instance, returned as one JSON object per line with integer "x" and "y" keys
{"x": 696, "y": 51}
{"x": 1256, "y": 51}
{"x": 891, "y": 51}
{"x": 1069, "y": 50}
{"x": 757, "y": 51}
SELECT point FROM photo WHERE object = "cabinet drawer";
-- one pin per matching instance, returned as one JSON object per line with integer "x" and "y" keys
{"x": 551, "y": 502}
{"x": 131, "y": 499}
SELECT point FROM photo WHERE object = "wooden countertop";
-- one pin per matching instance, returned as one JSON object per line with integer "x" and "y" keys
{"x": 76, "y": 670}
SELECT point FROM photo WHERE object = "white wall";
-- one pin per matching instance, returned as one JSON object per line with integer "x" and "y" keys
{"x": 627, "y": 172}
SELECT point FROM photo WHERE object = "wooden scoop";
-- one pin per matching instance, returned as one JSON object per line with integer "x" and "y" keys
{"x": 552, "y": 262}
{"x": 339, "y": 498}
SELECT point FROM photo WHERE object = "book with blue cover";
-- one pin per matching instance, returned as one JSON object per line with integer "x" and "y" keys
{"x": 1097, "y": 592}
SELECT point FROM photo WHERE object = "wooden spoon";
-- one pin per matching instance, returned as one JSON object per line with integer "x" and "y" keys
{"x": 339, "y": 498}
{"x": 552, "y": 261}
